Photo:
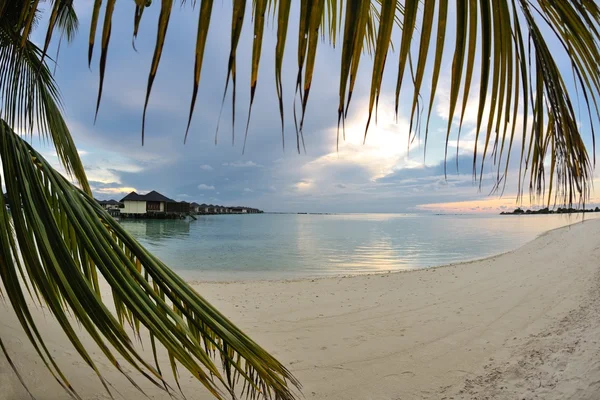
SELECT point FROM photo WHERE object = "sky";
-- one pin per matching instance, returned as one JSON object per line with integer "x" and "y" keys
{"x": 386, "y": 174}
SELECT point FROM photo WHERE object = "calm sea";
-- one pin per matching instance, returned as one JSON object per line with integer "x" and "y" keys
{"x": 284, "y": 246}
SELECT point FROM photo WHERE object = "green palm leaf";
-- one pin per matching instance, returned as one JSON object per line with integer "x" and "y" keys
{"x": 29, "y": 96}
{"x": 260, "y": 8}
{"x": 237, "y": 21}
{"x": 203, "y": 25}
{"x": 68, "y": 243}
{"x": 282, "y": 28}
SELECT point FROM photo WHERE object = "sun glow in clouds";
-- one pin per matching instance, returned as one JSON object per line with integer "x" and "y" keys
{"x": 304, "y": 184}
{"x": 114, "y": 190}
{"x": 385, "y": 149}
{"x": 490, "y": 205}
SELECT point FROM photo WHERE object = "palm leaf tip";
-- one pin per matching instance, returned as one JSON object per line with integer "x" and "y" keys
{"x": 203, "y": 26}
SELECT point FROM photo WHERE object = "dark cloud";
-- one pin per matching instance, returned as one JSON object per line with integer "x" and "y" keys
{"x": 450, "y": 168}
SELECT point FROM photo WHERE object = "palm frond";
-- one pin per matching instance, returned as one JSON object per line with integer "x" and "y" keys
{"x": 260, "y": 9}
{"x": 163, "y": 24}
{"x": 237, "y": 21}
{"x": 283, "y": 18}
{"x": 67, "y": 21}
{"x": 30, "y": 100}
{"x": 64, "y": 242}
{"x": 510, "y": 36}
{"x": 203, "y": 25}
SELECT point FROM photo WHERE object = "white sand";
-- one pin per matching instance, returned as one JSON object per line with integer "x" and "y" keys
{"x": 522, "y": 325}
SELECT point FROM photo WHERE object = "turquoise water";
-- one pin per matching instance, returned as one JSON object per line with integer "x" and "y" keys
{"x": 284, "y": 246}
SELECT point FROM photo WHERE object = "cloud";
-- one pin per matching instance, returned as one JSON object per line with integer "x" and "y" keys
{"x": 203, "y": 186}
{"x": 415, "y": 174}
{"x": 354, "y": 161}
{"x": 491, "y": 204}
{"x": 117, "y": 190}
{"x": 248, "y": 190}
{"x": 102, "y": 190}
{"x": 112, "y": 173}
{"x": 304, "y": 184}
{"x": 380, "y": 175}
{"x": 241, "y": 164}
{"x": 105, "y": 190}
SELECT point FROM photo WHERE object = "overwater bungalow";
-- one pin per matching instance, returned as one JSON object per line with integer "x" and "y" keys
{"x": 210, "y": 209}
{"x": 110, "y": 204}
{"x": 195, "y": 207}
{"x": 244, "y": 210}
{"x": 153, "y": 205}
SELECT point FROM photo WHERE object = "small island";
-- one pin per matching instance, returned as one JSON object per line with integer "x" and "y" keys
{"x": 559, "y": 210}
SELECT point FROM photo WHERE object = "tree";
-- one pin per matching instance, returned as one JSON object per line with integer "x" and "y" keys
{"x": 61, "y": 232}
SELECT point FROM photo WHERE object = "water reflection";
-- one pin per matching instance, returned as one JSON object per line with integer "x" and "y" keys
{"x": 157, "y": 230}
{"x": 267, "y": 246}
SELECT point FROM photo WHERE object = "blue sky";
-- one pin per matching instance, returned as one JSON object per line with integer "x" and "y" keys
{"x": 380, "y": 176}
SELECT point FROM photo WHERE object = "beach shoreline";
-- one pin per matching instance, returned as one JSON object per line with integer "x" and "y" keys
{"x": 521, "y": 324}
{"x": 196, "y": 282}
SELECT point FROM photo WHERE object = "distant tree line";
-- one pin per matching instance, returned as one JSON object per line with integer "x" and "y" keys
{"x": 559, "y": 210}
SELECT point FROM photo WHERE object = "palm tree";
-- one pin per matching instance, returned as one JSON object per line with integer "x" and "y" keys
{"x": 55, "y": 245}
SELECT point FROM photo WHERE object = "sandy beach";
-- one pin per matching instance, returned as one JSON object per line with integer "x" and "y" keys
{"x": 521, "y": 325}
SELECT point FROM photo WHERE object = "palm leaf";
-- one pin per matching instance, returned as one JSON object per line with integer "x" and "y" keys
{"x": 437, "y": 63}
{"x": 67, "y": 21}
{"x": 30, "y": 99}
{"x": 106, "y": 32}
{"x": 260, "y": 9}
{"x": 313, "y": 27}
{"x": 513, "y": 60}
{"x": 353, "y": 28}
{"x": 282, "y": 27}
{"x": 237, "y": 21}
{"x": 203, "y": 25}
{"x": 365, "y": 38}
{"x": 303, "y": 34}
{"x": 384, "y": 35}
{"x": 68, "y": 242}
{"x": 93, "y": 27}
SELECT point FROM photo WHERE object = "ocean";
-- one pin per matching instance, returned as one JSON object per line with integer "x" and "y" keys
{"x": 291, "y": 246}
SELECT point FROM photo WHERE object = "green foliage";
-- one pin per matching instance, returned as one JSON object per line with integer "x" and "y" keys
{"x": 29, "y": 98}
{"x": 64, "y": 243}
